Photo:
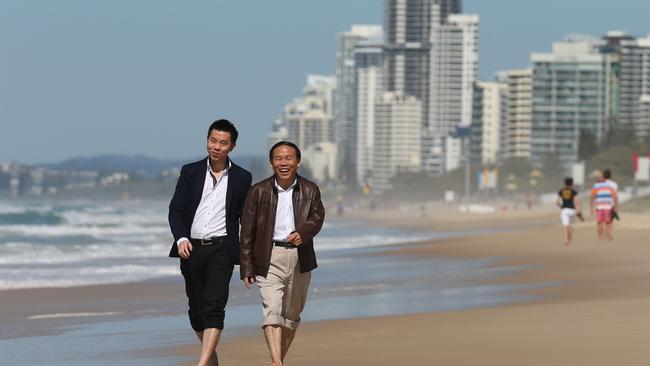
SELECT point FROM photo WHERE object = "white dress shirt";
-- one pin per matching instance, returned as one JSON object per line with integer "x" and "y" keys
{"x": 284, "y": 224}
{"x": 210, "y": 217}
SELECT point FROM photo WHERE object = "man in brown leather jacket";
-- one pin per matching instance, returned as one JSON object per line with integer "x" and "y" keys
{"x": 281, "y": 216}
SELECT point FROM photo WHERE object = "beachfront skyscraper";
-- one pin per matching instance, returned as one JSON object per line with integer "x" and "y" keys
{"x": 453, "y": 72}
{"x": 369, "y": 63}
{"x": 489, "y": 116}
{"x": 454, "y": 68}
{"x": 642, "y": 121}
{"x": 569, "y": 95}
{"x": 516, "y": 134}
{"x": 344, "y": 111}
{"x": 397, "y": 138}
{"x": 634, "y": 81}
{"x": 408, "y": 25}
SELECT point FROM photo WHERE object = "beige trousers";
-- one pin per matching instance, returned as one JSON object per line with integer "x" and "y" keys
{"x": 284, "y": 290}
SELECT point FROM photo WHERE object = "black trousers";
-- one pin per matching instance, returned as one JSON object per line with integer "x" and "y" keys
{"x": 207, "y": 274}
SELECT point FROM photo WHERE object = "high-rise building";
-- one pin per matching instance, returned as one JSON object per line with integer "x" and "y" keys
{"x": 453, "y": 72}
{"x": 516, "y": 134}
{"x": 569, "y": 95}
{"x": 612, "y": 48}
{"x": 397, "y": 138}
{"x": 454, "y": 68}
{"x": 491, "y": 105}
{"x": 344, "y": 111}
{"x": 642, "y": 122}
{"x": 634, "y": 80}
{"x": 476, "y": 128}
{"x": 369, "y": 88}
{"x": 408, "y": 25}
{"x": 309, "y": 118}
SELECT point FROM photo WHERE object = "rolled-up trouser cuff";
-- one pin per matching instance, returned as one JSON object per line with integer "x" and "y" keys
{"x": 197, "y": 324}
{"x": 280, "y": 321}
{"x": 291, "y": 324}
{"x": 200, "y": 325}
{"x": 273, "y": 320}
{"x": 213, "y": 323}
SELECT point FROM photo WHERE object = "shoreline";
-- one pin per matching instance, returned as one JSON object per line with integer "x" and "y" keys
{"x": 48, "y": 309}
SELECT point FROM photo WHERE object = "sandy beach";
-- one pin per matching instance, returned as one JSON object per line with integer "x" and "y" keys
{"x": 596, "y": 313}
{"x": 589, "y": 304}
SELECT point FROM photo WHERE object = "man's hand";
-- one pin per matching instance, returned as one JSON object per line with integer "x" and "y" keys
{"x": 184, "y": 249}
{"x": 294, "y": 238}
{"x": 249, "y": 281}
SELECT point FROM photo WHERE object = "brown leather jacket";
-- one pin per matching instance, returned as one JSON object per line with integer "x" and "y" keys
{"x": 258, "y": 223}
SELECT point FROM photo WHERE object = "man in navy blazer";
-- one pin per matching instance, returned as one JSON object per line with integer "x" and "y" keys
{"x": 204, "y": 216}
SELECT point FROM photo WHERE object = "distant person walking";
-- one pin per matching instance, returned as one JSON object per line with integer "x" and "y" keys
{"x": 604, "y": 199}
{"x": 569, "y": 204}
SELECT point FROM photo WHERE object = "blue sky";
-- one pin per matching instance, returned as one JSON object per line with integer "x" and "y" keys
{"x": 85, "y": 77}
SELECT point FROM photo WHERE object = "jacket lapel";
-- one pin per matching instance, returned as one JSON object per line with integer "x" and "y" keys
{"x": 229, "y": 190}
{"x": 198, "y": 185}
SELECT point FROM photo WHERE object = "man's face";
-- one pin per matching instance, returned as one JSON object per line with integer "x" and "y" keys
{"x": 219, "y": 145}
{"x": 285, "y": 163}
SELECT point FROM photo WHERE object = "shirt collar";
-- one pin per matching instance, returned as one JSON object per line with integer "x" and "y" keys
{"x": 207, "y": 161}
{"x": 280, "y": 189}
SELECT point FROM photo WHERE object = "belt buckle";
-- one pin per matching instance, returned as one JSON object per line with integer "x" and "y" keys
{"x": 206, "y": 241}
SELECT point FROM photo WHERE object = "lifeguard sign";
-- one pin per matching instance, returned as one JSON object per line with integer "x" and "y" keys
{"x": 641, "y": 168}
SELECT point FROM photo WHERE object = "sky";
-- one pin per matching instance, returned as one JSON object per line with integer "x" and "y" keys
{"x": 88, "y": 77}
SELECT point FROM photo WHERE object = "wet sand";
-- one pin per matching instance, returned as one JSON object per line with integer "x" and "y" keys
{"x": 43, "y": 311}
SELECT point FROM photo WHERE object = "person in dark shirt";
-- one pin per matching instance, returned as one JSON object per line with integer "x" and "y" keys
{"x": 569, "y": 205}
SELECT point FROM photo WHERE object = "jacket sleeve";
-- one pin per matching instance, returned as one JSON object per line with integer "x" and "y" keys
{"x": 247, "y": 235}
{"x": 177, "y": 206}
{"x": 314, "y": 221}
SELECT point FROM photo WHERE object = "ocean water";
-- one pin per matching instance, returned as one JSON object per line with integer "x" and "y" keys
{"x": 62, "y": 245}
{"x": 76, "y": 244}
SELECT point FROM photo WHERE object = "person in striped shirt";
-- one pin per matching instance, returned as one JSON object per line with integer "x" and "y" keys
{"x": 604, "y": 199}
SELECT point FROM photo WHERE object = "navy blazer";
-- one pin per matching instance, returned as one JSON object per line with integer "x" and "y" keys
{"x": 187, "y": 197}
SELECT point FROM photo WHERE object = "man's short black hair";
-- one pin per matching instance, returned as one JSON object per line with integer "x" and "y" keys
{"x": 607, "y": 174}
{"x": 568, "y": 181}
{"x": 284, "y": 143}
{"x": 225, "y": 126}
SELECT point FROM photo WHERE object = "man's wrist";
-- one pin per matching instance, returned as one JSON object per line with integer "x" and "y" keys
{"x": 179, "y": 241}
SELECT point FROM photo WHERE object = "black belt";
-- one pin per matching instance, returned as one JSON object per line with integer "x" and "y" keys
{"x": 284, "y": 244}
{"x": 212, "y": 240}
